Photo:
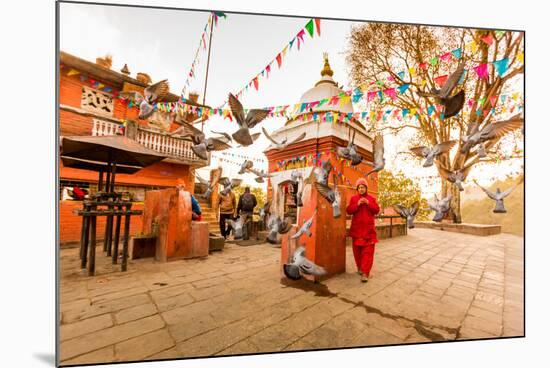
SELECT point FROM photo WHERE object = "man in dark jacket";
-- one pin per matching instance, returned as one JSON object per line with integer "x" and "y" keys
{"x": 363, "y": 207}
{"x": 245, "y": 208}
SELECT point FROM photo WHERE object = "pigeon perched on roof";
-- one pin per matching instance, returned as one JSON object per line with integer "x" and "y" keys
{"x": 300, "y": 264}
{"x": 498, "y": 129}
{"x": 453, "y": 104}
{"x": 431, "y": 153}
{"x": 153, "y": 94}
{"x": 409, "y": 213}
{"x": 254, "y": 116}
{"x": 441, "y": 207}
{"x": 499, "y": 196}
{"x": 283, "y": 143}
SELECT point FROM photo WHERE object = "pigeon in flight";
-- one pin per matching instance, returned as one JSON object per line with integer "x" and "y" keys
{"x": 378, "y": 148}
{"x": 300, "y": 264}
{"x": 490, "y": 131}
{"x": 453, "y": 104}
{"x": 409, "y": 213}
{"x": 320, "y": 174}
{"x": 284, "y": 143}
{"x": 457, "y": 177}
{"x": 350, "y": 151}
{"x": 153, "y": 94}
{"x": 441, "y": 207}
{"x": 229, "y": 184}
{"x": 254, "y": 116}
{"x": 201, "y": 145}
{"x": 431, "y": 153}
{"x": 277, "y": 226}
{"x": 305, "y": 229}
{"x": 212, "y": 184}
{"x": 498, "y": 196}
{"x": 246, "y": 165}
{"x": 332, "y": 195}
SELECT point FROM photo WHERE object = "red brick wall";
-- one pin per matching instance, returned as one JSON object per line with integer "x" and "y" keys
{"x": 70, "y": 224}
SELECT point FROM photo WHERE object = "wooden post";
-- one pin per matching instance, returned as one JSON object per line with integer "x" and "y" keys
{"x": 86, "y": 233}
{"x": 207, "y": 67}
{"x": 117, "y": 236}
{"x": 91, "y": 264}
{"x": 126, "y": 238}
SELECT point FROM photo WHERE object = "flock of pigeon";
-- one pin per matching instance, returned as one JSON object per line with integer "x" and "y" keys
{"x": 453, "y": 103}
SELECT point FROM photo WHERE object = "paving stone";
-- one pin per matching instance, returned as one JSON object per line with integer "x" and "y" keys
{"x": 68, "y": 331}
{"x": 188, "y": 312}
{"x": 95, "y": 340}
{"x": 169, "y": 303}
{"x": 102, "y": 308}
{"x": 143, "y": 346}
{"x": 103, "y": 355}
{"x": 133, "y": 313}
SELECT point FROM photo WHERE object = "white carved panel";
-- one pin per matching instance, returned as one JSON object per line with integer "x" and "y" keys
{"x": 97, "y": 101}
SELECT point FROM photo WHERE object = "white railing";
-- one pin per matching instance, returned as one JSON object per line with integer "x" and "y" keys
{"x": 102, "y": 127}
{"x": 163, "y": 143}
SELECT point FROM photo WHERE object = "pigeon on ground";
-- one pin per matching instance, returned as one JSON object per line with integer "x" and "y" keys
{"x": 305, "y": 229}
{"x": 431, "y": 153}
{"x": 254, "y": 116}
{"x": 264, "y": 211}
{"x": 237, "y": 226}
{"x": 300, "y": 264}
{"x": 498, "y": 196}
{"x": 332, "y": 195}
{"x": 379, "y": 161}
{"x": 441, "y": 207}
{"x": 409, "y": 213}
{"x": 453, "y": 104}
{"x": 494, "y": 130}
{"x": 284, "y": 143}
{"x": 153, "y": 94}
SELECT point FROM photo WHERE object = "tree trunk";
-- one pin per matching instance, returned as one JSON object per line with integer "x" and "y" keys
{"x": 455, "y": 213}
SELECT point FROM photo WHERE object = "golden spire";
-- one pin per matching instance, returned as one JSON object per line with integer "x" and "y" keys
{"x": 326, "y": 69}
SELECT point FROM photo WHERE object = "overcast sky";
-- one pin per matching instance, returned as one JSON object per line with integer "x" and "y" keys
{"x": 162, "y": 43}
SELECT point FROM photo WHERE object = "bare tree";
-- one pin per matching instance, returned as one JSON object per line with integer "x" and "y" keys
{"x": 379, "y": 52}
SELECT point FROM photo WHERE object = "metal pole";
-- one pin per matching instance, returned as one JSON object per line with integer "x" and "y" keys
{"x": 207, "y": 66}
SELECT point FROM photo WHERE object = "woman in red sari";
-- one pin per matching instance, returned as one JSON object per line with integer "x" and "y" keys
{"x": 363, "y": 207}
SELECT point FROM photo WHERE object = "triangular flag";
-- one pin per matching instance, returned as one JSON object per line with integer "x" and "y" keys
{"x": 291, "y": 43}
{"x": 300, "y": 36}
{"x": 472, "y": 46}
{"x": 488, "y": 39}
{"x": 391, "y": 78}
{"x": 403, "y": 88}
{"x": 423, "y": 65}
{"x": 430, "y": 110}
{"x": 255, "y": 80}
{"x": 404, "y": 112}
{"x": 268, "y": 69}
{"x": 457, "y": 53}
{"x": 493, "y": 100}
{"x": 279, "y": 59}
{"x": 482, "y": 71}
{"x": 412, "y": 72}
{"x": 73, "y": 72}
{"x": 499, "y": 33}
{"x": 445, "y": 57}
{"x": 371, "y": 96}
{"x": 501, "y": 66}
{"x": 401, "y": 74}
{"x": 440, "y": 81}
{"x": 380, "y": 83}
{"x": 318, "y": 24}
{"x": 462, "y": 77}
{"x": 309, "y": 26}
{"x": 433, "y": 61}
{"x": 390, "y": 92}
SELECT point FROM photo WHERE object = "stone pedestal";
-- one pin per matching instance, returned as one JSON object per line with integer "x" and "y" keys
{"x": 199, "y": 239}
{"x": 169, "y": 210}
{"x": 327, "y": 245}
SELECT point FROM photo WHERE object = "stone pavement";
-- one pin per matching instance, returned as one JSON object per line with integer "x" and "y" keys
{"x": 428, "y": 286}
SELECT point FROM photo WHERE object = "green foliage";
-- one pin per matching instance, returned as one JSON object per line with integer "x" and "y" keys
{"x": 397, "y": 189}
{"x": 480, "y": 210}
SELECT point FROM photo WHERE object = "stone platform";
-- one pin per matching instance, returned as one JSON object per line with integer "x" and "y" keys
{"x": 464, "y": 228}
